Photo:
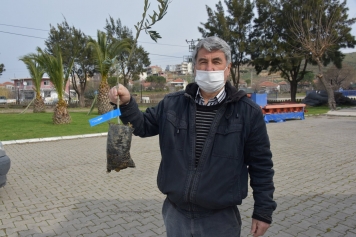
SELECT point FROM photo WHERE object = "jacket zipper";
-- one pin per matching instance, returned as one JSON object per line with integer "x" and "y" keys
{"x": 195, "y": 170}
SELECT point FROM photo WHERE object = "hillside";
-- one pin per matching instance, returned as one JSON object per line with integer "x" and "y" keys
{"x": 350, "y": 59}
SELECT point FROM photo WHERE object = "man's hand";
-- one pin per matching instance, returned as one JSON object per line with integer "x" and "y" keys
{"x": 123, "y": 93}
{"x": 258, "y": 228}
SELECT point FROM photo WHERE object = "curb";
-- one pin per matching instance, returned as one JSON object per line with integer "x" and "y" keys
{"x": 47, "y": 139}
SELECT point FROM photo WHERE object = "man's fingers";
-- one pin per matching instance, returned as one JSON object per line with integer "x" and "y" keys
{"x": 258, "y": 228}
{"x": 253, "y": 227}
{"x": 120, "y": 91}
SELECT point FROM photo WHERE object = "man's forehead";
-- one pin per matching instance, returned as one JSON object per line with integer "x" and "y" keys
{"x": 216, "y": 54}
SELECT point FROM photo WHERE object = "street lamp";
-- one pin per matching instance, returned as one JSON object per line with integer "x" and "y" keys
{"x": 141, "y": 92}
{"x": 18, "y": 95}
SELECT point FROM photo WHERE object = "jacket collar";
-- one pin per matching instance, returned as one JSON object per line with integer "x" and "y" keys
{"x": 232, "y": 94}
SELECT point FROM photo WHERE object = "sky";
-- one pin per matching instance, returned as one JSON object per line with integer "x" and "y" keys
{"x": 24, "y": 25}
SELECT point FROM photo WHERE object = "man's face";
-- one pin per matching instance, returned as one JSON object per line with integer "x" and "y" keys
{"x": 212, "y": 61}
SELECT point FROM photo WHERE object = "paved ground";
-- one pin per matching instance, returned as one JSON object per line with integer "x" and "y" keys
{"x": 60, "y": 188}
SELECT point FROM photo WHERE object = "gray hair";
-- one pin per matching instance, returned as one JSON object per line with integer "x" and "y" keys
{"x": 212, "y": 43}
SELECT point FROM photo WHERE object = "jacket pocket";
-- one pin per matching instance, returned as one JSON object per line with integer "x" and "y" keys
{"x": 175, "y": 132}
{"x": 228, "y": 141}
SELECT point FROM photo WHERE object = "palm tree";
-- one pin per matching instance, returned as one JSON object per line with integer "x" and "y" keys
{"x": 105, "y": 54}
{"x": 36, "y": 71}
{"x": 53, "y": 66}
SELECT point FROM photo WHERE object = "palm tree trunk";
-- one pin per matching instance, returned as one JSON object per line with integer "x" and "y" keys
{"x": 104, "y": 105}
{"x": 61, "y": 115}
{"x": 39, "y": 105}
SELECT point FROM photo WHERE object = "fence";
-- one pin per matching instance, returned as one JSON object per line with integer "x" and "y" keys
{"x": 349, "y": 92}
{"x": 344, "y": 92}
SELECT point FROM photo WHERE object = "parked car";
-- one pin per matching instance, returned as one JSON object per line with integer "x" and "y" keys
{"x": 4, "y": 165}
{"x": 3, "y": 100}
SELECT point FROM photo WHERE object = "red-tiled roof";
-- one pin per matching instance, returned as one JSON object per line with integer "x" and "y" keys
{"x": 146, "y": 84}
{"x": 8, "y": 83}
{"x": 282, "y": 83}
{"x": 178, "y": 80}
{"x": 268, "y": 84}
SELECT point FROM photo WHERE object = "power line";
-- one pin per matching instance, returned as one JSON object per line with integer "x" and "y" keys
{"x": 162, "y": 44}
{"x": 30, "y": 28}
{"x": 45, "y": 38}
{"x": 21, "y": 35}
{"x": 31, "y": 36}
{"x": 165, "y": 55}
{"x": 23, "y": 27}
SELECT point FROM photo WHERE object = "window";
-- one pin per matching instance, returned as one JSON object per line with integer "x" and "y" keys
{"x": 29, "y": 95}
{"x": 47, "y": 93}
{"x": 46, "y": 82}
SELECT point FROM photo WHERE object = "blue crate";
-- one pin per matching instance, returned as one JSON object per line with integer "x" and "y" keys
{"x": 260, "y": 99}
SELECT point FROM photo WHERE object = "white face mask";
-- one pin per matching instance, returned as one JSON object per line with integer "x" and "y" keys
{"x": 210, "y": 81}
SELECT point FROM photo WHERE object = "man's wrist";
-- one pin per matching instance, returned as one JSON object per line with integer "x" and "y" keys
{"x": 127, "y": 102}
{"x": 262, "y": 217}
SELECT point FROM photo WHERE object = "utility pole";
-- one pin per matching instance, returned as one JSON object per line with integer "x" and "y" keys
{"x": 191, "y": 44}
{"x": 191, "y": 49}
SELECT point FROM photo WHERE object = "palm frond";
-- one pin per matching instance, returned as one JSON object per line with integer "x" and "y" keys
{"x": 53, "y": 66}
{"x": 36, "y": 71}
{"x": 105, "y": 53}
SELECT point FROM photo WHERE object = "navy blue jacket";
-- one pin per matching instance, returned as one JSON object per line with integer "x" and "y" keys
{"x": 237, "y": 145}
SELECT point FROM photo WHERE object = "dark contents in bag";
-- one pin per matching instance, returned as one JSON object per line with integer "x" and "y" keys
{"x": 118, "y": 148}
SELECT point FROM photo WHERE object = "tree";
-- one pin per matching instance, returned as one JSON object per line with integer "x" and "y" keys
{"x": 105, "y": 54}
{"x": 145, "y": 25}
{"x": 156, "y": 79}
{"x": 339, "y": 77}
{"x": 139, "y": 59}
{"x": 322, "y": 29}
{"x": 2, "y": 68}
{"x": 73, "y": 43}
{"x": 53, "y": 66}
{"x": 234, "y": 28}
{"x": 36, "y": 71}
{"x": 272, "y": 47}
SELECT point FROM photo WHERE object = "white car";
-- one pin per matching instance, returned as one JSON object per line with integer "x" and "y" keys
{"x": 4, "y": 166}
{"x": 3, "y": 100}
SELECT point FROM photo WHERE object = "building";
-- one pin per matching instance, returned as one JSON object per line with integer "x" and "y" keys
{"x": 268, "y": 86}
{"x": 25, "y": 90}
{"x": 143, "y": 76}
{"x": 7, "y": 85}
{"x": 284, "y": 86}
{"x": 154, "y": 70}
{"x": 178, "y": 83}
{"x": 185, "y": 68}
{"x": 242, "y": 84}
{"x": 170, "y": 68}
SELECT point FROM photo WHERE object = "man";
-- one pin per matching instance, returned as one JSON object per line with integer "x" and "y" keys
{"x": 211, "y": 137}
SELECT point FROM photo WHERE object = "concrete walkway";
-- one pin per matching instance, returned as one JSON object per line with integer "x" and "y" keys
{"x": 343, "y": 112}
{"x": 60, "y": 188}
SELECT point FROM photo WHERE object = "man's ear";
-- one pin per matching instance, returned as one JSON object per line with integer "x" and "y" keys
{"x": 228, "y": 68}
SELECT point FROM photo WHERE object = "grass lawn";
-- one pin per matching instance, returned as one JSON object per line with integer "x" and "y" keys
{"x": 39, "y": 125}
{"x": 316, "y": 110}
{"x": 15, "y": 126}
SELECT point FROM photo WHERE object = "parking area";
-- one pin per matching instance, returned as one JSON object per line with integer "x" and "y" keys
{"x": 61, "y": 188}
